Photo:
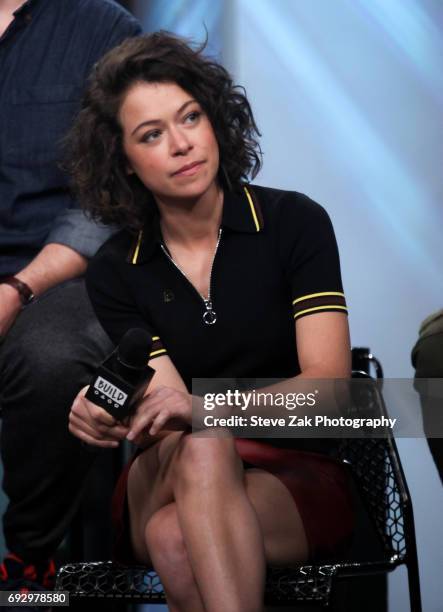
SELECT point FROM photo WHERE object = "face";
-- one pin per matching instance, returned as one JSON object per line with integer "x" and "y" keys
{"x": 168, "y": 141}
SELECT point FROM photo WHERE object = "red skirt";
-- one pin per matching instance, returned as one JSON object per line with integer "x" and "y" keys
{"x": 318, "y": 484}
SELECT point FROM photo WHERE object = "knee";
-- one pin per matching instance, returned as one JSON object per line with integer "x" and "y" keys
{"x": 201, "y": 459}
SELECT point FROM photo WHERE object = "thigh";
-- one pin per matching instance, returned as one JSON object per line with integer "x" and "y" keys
{"x": 282, "y": 526}
{"x": 49, "y": 354}
{"x": 149, "y": 489}
{"x": 295, "y": 493}
{"x": 302, "y": 519}
{"x": 54, "y": 345}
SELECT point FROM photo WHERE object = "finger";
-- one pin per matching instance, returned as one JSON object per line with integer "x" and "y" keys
{"x": 154, "y": 403}
{"x": 160, "y": 393}
{"x": 159, "y": 422}
{"x": 138, "y": 426}
{"x": 147, "y": 403}
{"x": 81, "y": 413}
{"x": 100, "y": 433}
{"x": 140, "y": 422}
{"x": 84, "y": 437}
{"x": 118, "y": 431}
{"x": 81, "y": 425}
{"x": 145, "y": 412}
{"x": 98, "y": 414}
{"x": 149, "y": 408}
{"x": 95, "y": 412}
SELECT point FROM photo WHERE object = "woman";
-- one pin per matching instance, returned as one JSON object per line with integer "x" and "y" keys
{"x": 217, "y": 270}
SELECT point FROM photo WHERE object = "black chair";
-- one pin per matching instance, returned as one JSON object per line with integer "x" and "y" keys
{"x": 380, "y": 490}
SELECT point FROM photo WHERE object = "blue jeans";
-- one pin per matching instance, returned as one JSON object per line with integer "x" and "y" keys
{"x": 47, "y": 356}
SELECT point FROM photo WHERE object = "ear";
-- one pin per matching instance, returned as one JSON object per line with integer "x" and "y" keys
{"x": 126, "y": 163}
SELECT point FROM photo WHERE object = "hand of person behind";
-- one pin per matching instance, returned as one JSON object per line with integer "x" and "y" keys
{"x": 10, "y": 306}
{"x": 94, "y": 425}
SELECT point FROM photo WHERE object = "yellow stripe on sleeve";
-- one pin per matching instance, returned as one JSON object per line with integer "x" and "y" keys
{"x": 297, "y": 314}
{"x": 313, "y": 295}
{"x": 155, "y": 353}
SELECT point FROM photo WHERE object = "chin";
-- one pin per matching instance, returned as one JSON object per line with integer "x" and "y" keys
{"x": 191, "y": 194}
{"x": 193, "y": 189}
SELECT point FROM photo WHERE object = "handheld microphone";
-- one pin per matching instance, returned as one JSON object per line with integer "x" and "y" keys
{"x": 122, "y": 378}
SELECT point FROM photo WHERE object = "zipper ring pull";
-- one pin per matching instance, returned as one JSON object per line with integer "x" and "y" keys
{"x": 209, "y": 316}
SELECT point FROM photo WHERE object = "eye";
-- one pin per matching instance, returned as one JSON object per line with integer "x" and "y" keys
{"x": 150, "y": 136}
{"x": 192, "y": 117}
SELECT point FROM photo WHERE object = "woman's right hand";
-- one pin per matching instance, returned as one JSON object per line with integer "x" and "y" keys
{"x": 94, "y": 425}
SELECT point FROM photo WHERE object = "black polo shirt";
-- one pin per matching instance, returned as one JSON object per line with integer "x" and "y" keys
{"x": 277, "y": 261}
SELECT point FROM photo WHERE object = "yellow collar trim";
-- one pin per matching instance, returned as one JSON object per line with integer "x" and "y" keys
{"x": 251, "y": 204}
{"x": 137, "y": 247}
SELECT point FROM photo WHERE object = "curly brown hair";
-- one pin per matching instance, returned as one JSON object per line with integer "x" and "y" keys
{"x": 94, "y": 151}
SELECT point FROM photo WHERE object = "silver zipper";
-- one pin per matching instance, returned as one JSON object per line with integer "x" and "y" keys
{"x": 209, "y": 316}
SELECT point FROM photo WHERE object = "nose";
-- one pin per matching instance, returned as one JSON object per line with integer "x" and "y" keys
{"x": 179, "y": 141}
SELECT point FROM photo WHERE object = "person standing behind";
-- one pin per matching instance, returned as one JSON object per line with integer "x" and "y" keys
{"x": 427, "y": 359}
{"x": 50, "y": 340}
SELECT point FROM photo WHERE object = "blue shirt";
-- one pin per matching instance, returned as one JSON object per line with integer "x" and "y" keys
{"x": 46, "y": 55}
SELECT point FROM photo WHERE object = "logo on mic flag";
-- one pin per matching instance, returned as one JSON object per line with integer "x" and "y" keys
{"x": 123, "y": 377}
{"x": 107, "y": 389}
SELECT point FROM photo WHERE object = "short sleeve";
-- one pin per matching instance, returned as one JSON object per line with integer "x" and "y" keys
{"x": 74, "y": 229}
{"x": 312, "y": 259}
{"x": 113, "y": 303}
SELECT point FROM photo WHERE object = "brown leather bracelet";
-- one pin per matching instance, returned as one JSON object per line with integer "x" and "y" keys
{"x": 24, "y": 291}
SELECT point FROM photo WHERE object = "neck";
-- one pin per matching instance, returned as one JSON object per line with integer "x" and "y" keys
{"x": 190, "y": 221}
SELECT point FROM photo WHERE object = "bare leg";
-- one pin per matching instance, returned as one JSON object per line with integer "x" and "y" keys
{"x": 155, "y": 532}
{"x": 228, "y": 523}
{"x": 220, "y": 526}
{"x": 170, "y": 559}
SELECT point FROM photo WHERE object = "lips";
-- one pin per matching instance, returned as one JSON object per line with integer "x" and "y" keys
{"x": 189, "y": 169}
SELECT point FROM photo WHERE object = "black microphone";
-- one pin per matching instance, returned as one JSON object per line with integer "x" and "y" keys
{"x": 122, "y": 378}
